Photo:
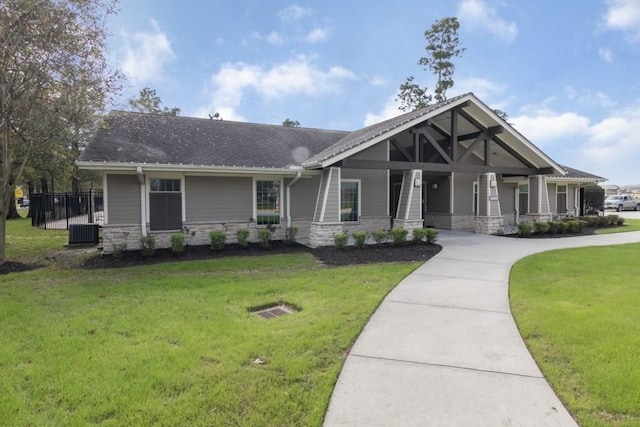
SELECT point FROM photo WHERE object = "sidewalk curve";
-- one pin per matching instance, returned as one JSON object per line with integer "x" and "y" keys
{"x": 443, "y": 348}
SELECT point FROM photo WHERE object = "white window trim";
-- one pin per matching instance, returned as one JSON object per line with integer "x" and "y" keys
{"x": 517, "y": 204}
{"x": 475, "y": 197}
{"x": 255, "y": 197}
{"x": 359, "y": 182}
{"x": 148, "y": 191}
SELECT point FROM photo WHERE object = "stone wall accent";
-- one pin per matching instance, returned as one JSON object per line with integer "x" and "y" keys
{"x": 368, "y": 224}
{"x": 489, "y": 224}
{"x": 113, "y": 235}
{"x": 536, "y": 217}
{"x": 463, "y": 222}
{"x": 441, "y": 221}
{"x": 321, "y": 233}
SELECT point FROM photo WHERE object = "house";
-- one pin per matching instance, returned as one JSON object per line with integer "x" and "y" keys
{"x": 453, "y": 165}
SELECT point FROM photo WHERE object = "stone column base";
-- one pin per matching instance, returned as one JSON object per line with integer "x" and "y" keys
{"x": 321, "y": 233}
{"x": 489, "y": 224}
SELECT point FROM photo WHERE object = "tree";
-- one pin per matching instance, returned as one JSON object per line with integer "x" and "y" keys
{"x": 443, "y": 45}
{"x": 148, "y": 102}
{"x": 53, "y": 59}
{"x": 288, "y": 123}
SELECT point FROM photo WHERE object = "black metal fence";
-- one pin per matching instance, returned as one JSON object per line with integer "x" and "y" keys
{"x": 56, "y": 211}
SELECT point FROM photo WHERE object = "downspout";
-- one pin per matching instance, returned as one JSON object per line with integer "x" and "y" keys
{"x": 293, "y": 181}
{"x": 143, "y": 202}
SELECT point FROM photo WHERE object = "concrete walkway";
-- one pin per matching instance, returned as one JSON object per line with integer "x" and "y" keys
{"x": 443, "y": 349}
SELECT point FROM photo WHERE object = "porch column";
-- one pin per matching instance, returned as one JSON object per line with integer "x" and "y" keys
{"x": 326, "y": 219}
{"x": 409, "y": 213}
{"x": 539, "y": 199}
{"x": 489, "y": 219}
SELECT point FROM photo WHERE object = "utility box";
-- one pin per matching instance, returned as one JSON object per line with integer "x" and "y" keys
{"x": 83, "y": 234}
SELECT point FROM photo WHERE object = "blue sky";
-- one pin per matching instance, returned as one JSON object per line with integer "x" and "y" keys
{"x": 566, "y": 71}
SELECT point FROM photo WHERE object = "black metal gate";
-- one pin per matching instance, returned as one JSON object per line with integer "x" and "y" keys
{"x": 57, "y": 211}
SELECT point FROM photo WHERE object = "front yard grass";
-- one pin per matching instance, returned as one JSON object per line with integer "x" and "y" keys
{"x": 174, "y": 344}
{"x": 578, "y": 312}
{"x": 629, "y": 225}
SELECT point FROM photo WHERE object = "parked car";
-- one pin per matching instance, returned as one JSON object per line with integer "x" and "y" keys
{"x": 622, "y": 202}
{"x": 23, "y": 202}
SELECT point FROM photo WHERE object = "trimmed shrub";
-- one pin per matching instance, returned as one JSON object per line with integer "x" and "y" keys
{"x": 217, "y": 239}
{"x": 603, "y": 221}
{"x": 553, "y": 227}
{"x": 399, "y": 235}
{"x": 541, "y": 227}
{"x": 148, "y": 245}
{"x": 525, "y": 229}
{"x": 612, "y": 219}
{"x": 563, "y": 226}
{"x": 360, "y": 238}
{"x": 431, "y": 235}
{"x": 582, "y": 224}
{"x": 620, "y": 221}
{"x": 242, "y": 235}
{"x": 573, "y": 226}
{"x": 380, "y": 236}
{"x": 419, "y": 234}
{"x": 264, "y": 237}
{"x": 119, "y": 250}
{"x": 178, "y": 243}
{"x": 340, "y": 240}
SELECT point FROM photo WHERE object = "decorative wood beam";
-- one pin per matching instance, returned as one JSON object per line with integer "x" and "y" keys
{"x": 472, "y": 147}
{"x": 401, "y": 149}
{"x": 435, "y": 144}
{"x": 513, "y": 152}
{"x": 454, "y": 134}
{"x": 472, "y": 120}
{"x": 438, "y": 167}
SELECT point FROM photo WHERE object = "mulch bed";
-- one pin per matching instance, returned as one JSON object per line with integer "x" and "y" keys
{"x": 16, "y": 267}
{"x": 327, "y": 255}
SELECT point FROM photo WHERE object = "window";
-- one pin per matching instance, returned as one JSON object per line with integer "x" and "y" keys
{"x": 561, "y": 198}
{"x": 349, "y": 200}
{"x": 165, "y": 204}
{"x": 523, "y": 198}
{"x": 267, "y": 202}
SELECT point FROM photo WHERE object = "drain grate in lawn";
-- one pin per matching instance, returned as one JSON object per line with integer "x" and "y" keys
{"x": 273, "y": 310}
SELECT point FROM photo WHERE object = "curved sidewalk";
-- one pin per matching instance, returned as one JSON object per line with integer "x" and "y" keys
{"x": 443, "y": 349}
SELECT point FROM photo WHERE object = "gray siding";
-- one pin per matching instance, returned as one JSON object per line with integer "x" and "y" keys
{"x": 377, "y": 152}
{"x": 218, "y": 198}
{"x": 438, "y": 199}
{"x": 533, "y": 195}
{"x": 482, "y": 195}
{"x": 332, "y": 211}
{"x": 304, "y": 194}
{"x": 320, "y": 198}
{"x": 373, "y": 189}
{"x": 507, "y": 194}
{"x": 123, "y": 199}
{"x": 551, "y": 190}
{"x": 415, "y": 210}
{"x": 571, "y": 196}
{"x": 463, "y": 193}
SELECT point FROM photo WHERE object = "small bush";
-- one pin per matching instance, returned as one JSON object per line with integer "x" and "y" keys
{"x": 419, "y": 234}
{"x": 264, "y": 237}
{"x": 380, "y": 236}
{"x": 553, "y": 227}
{"x": 178, "y": 243}
{"x": 563, "y": 226}
{"x": 290, "y": 235}
{"x": 582, "y": 224}
{"x": 217, "y": 239}
{"x": 399, "y": 235}
{"x": 592, "y": 221}
{"x": 360, "y": 238}
{"x": 148, "y": 245}
{"x": 432, "y": 235}
{"x": 612, "y": 219}
{"x": 242, "y": 236}
{"x": 340, "y": 240}
{"x": 603, "y": 221}
{"x": 573, "y": 226}
{"x": 541, "y": 227}
{"x": 525, "y": 229}
{"x": 118, "y": 250}
{"x": 620, "y": 221}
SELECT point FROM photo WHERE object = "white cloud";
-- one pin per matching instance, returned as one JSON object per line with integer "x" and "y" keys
{"x": 482, "y": 88}
{"x": 378, "y": 80}
{"x": 588, "y": 98}
{"x": 624, "y": 15}
{"x": 274, "y": 38}
{"x": 146, "y": 54}
{"x": 389, "y": 110}
{"x": 294, "y": 12}
{"x": 478, "y": 15}
{"x": 545, "y": 125}
{"x": 316, "y": 35}
{"x": 606, "y": 54}
{"x": 296, "y": 77}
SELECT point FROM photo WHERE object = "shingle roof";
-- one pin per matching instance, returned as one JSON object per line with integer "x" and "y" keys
{"x": 572, "y": 173}
{"x": 157, "y": 139}
{"x": 353, "y": 139}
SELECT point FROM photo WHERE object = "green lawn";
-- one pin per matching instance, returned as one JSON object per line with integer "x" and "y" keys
{"x": 578, "y": 311}
{"x": 629, "y": 225}
{"x": 174, "y": 344}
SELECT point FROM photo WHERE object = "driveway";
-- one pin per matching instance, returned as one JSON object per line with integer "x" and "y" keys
{"x": 443, "y": 349}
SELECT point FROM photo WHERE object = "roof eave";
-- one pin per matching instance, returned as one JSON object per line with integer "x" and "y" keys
{"x": 156, "y": 167}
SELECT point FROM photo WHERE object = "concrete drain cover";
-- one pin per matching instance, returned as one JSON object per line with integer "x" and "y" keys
{"x": 273, "y": 310}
